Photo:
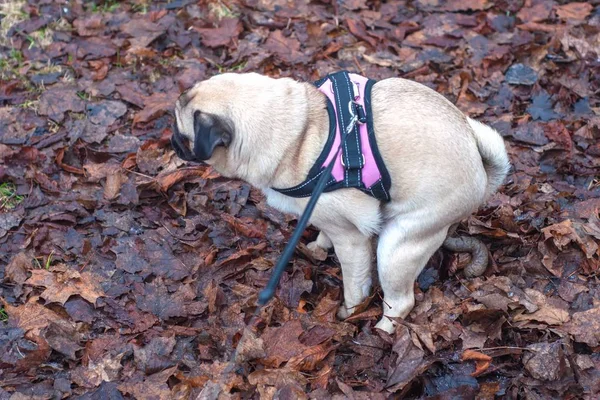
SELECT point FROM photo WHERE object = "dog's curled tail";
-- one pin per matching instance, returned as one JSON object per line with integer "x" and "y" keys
{"x": 493, "y": 152}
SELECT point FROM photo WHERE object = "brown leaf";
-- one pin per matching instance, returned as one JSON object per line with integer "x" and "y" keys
{"x": 248, "y": 251}
{"x": 154, "y": 387}
{"x": 546, "y": 361}
{"x": 105, "y": 112}
{"x": 585, "y": 327}
{"x": 358, "y": 29}
{"x": 155, "y": 106}
{"x": 482, "y": 361}
{"x": 286, "y": 47}
{"x": 55, "y": 102}
{"x": 250, "y": 347}
{"x": 466, "y": 5}
{"x": 18, "y": 267}
{"x": 276, "y": 377}
{"x": 112, "y": 188}
{"x": 309, "y": 358}
{"x": 424, "y": 334}
{"x": 31, "y": 316}
{"x": 535, "y": 13}
{"x": 62, "y": 285}
{"x": 142, "y": 32}
{"x": 481, "y": 367}
{"x": 567, "y": 232}
{"x": 246, "y": 226}
{"x": 90, "y": 26}
{"x": 63, "y": 338}
{"x": 327, "y": 308}
{"x": 409, "y": 364}
{"x": 228, "y": 30}
{"x": 59, "y": 160}
{"x": 576, "y": 11}
{"x": 167, "y": 179}
{"x": 475, "y": 355}
{"x": 547, "y": 313}
{"x": 281, "y": 344}
{"x": 473, "y": 339}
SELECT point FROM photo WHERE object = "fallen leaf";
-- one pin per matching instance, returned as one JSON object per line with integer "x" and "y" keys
{"x": 227, "y": 31}
{"x": 69, "y": 101}
{"x": 547, "y": 313}
{"x": 155, "y": 106}
{"x": 17, "y": 269}
{"x": 545, "y": 361}
{"x": 250, "y": 347}
{"x": 32, "y": 317}
{"x": 62, "y": 285}
{"x": 282, "y": 344}
{"x": 575, "y": 10}
{"x": 585, "y": 327}
{"x": 310, "y": 358}
{"x": 409, "y": 364}
{"x": 286, "y": 48}
{"x": 152, "y": 387}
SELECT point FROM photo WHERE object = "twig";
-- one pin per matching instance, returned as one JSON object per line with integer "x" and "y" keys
{"x": 508, "y": 348}
{"x": 139, "y": 173}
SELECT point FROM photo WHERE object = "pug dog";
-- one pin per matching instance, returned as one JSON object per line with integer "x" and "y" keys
{"x": 443, "y": 166}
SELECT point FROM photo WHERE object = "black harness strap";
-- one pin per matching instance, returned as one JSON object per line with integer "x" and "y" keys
{"x": 346, "y": 113}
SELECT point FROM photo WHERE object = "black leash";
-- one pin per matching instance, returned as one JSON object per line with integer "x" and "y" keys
{"x": 267, "y": 293}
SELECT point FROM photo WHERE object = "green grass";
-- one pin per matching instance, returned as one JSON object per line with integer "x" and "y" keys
{"x": 221, "y": 10}
{"x": 3, "y": 315}
{"x": 44, "y": 264}
{"x": 9, "y": 198}
{"x": 83, "y": 96}
{"x": 235, "y": 67}
{"x": 10, "y": 64}
{"x": 108, "y": 6}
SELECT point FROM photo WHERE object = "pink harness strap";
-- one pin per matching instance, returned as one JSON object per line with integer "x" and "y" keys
{"x": 370, "y": 171}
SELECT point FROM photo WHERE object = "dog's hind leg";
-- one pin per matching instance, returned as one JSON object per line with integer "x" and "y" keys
{"x": 405, "y": 245}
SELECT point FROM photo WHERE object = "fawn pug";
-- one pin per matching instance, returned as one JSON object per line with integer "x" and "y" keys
{"x": 440, "y": 165}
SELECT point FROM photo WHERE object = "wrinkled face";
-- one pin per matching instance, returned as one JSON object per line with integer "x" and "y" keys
{"x": 200, "y": 129}
{"x": 240, "y": 124}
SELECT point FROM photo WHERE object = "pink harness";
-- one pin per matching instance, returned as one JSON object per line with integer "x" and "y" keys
{"x": 357, "y": 163}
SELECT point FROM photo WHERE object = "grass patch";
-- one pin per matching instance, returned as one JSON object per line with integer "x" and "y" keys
{"x": 9, "y": 198}
{"x": 107, "y": 6}
{"x": 10, "y": 64}
{"x": 3, "y": 315}
{"x": 234, "y": 68}
{"x": 222, "y": 10}
{"x": 44, "y": 264}
{"x": 13, "y": 13}
{"x": 30, "y": 105}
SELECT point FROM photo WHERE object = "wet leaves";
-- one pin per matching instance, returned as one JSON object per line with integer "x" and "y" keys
{"x": 128, "y": 273}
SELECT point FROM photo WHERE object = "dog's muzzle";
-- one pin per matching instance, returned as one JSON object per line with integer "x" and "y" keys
{"x": 180, "y": 144}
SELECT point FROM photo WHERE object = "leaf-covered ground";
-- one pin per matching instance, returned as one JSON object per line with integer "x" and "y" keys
{"x": 127, "y": 273}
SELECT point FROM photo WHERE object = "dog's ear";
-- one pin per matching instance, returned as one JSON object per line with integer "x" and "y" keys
{"x": 210, "y": 132}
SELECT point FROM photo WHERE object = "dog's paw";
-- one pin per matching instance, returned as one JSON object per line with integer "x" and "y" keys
{"x": 344, "y": 312}
{"x": 317, "y": 251}
{"x": 386, "y": 325}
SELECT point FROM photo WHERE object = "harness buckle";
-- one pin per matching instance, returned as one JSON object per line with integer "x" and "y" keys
{"x": 344, "y": 164}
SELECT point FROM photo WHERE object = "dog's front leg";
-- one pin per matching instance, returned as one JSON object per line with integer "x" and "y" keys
{"x": 354, "y": 251}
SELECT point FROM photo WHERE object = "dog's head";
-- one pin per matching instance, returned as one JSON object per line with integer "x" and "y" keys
{"x": 203, "y": 128}
{"x": 238, "y": 123}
